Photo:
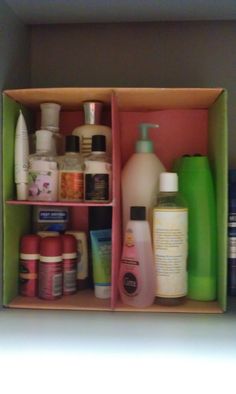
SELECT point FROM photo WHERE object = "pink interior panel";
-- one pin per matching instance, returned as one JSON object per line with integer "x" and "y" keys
{"x": 180, "y": 132}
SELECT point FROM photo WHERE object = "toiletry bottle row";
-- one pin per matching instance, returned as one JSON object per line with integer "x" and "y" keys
{"x": 76, "y": 179}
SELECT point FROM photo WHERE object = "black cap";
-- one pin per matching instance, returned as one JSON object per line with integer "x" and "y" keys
{"x": 138, "y": 213}
{"x": 72, "y": 143}
{"x": 98, "y": 143}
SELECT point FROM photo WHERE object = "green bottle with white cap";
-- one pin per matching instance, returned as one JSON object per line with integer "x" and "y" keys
{"x": 140, "y": 175}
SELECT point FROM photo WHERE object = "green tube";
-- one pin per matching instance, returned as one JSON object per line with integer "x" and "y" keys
{"x": 101, "y": 259}
{"x": 196, "y": 186}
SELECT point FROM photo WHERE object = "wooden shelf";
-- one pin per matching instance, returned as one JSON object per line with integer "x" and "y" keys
{"x": 83, "y": 300}
{"x": 60, "y": 203}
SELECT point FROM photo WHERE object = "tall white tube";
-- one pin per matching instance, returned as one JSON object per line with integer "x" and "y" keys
{"x": 21, "y": 158}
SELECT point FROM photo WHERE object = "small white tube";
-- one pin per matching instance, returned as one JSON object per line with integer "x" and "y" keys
{"x": 21, "y": 158}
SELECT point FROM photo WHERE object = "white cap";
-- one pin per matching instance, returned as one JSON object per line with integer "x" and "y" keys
{"x": 102, "y": 291}
{"x": 22, "y": 191}
{"x": 168, "y": 182}
{"x": 50, "y": 116}
{"x": 43, "y": 140}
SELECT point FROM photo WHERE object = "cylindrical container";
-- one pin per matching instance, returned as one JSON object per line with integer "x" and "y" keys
{"x": 137, "y": 269}
{"x": 232, "y": 234}
{"x": 196, "y": 186}
{"x": 91, "y": 127}
{"x": 82, "y": 259}
{"x": 21, "y": 158}
{"x": 29, "y": 261}
{"x": 69, "y": 255}
{"x": 170, "y": 229}
{"x": 50, "y": 268}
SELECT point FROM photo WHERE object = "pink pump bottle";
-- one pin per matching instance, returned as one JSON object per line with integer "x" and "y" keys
{"x": 137, "y": 270}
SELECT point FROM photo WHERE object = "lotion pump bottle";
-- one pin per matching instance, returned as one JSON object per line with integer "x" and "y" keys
{"x": 140, "y": 176}
{"x": 92, "y": 126}
{"x": 137, "y": 270}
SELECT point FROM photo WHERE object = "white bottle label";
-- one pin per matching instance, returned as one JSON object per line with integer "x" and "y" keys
{"x": 170, "y": 250}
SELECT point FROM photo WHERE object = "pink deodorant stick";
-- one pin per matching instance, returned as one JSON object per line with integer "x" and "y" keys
{"x": 29, "y": 261}
{"x": 50, "y": 268}
{"x": 69, "y": 255}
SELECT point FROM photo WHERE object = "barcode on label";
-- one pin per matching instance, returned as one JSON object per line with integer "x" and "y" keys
{"x": 57, "y": 285}
{"x": 70, "y": 280}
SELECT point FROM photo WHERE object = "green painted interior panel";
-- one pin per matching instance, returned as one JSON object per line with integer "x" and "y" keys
{"x": 218, "y": 154}
{"x": 16, "y": 219}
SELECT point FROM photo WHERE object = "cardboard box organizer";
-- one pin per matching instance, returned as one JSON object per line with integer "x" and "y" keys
{"x": 191, "y": 121}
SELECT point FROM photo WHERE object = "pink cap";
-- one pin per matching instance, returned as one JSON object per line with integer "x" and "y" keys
{"x": 51, "y": 246}
{"x": 69, "y": 243}
{"x": 29, "y": 244}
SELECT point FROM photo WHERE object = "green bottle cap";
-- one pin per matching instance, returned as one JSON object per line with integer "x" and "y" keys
{"x": 144, "y": 144}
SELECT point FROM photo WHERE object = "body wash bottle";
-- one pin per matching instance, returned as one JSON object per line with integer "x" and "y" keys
{"x": 170, "y": 226}
{"x": 43, "y": 173}
{"x": 140, "y": 176}
{"x": 92, "y": 126}
{"x": 137, "y": 269}
{"x": 21, "y": 158}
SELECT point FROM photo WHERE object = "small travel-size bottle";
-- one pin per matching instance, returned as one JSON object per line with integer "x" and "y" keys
{"x": 43, "y": 169}
{"x": 71, "y": 172}
{"x": 170, "y": 226}
{"x": 92, "y": 126}
{"x": 137, "y": 269}
{"x": 97, "y": 173}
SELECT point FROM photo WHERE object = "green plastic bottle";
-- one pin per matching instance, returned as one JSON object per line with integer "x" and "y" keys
{"x": 196, "y": 186}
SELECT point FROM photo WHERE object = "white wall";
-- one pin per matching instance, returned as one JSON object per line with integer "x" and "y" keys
{"x": 166, "y": 54}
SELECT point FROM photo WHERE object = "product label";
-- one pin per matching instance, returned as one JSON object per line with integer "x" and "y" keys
{"x": 43, "y": 185}
{"x": 86, "y": 145}
{"x": 170, "y": 251}
{"x": 129, "y": 272}
{"x": 50, "y": 280}
{"x": 28, "y": 277}
{"x": 69, "y": 280}
{"x": 71, "y": 185}
{"x": 97, "y": 187}
{"x": 53, "y": 216}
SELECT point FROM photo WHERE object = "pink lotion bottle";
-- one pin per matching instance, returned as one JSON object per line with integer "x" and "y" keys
{"x": 137, "y": 270}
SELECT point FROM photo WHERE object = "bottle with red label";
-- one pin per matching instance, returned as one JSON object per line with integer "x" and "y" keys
{"x": 69, "y": 255}
{"x": 50, "y": 268}
{"x": 137, "y": 270}
{"x": 29, "y": 261}
{"x": 71, "y": 172}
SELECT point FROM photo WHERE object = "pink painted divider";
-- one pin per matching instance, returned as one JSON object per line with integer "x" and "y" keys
{"x": 116, "y": 211}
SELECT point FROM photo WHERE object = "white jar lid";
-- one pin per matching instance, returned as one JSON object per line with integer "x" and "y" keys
{"x": 168, "y": 182}
{"x": 102, "y": 291}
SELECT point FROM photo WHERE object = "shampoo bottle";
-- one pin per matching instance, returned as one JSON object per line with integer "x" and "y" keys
{"x": 140, "y": 176}
{"x": 196, "y": 185}
{"x": 170, "y": 227}
{"x": 137, "y": 270}
{"x": 92, "y": 126}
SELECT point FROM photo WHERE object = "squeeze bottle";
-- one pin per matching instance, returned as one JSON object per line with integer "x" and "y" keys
{"x": 140, "y": 176}
{"x": 196, "y": 186}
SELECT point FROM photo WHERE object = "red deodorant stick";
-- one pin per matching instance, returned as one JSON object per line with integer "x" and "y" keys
{"x": 29, "y": 261}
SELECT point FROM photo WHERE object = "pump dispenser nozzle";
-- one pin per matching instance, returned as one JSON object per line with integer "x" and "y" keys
{"x": 144, "y": 144}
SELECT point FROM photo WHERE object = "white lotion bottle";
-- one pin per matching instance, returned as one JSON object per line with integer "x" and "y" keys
{"x": 137, "y": 282}
{"x": 91, "y": 127}
{"x": 21, "y": 158}
{"x": 140, "y": 176}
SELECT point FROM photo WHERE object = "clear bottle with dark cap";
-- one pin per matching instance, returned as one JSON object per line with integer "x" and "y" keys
{"x": 92, "y": 126}
{"x": 71, "y": 172}
{"x": 97, "y": 173}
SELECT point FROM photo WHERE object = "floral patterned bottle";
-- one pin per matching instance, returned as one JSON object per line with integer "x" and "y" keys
{"x": 43, "y": 172}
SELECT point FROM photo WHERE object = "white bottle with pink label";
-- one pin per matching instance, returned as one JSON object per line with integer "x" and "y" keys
{"x": 43, "y": 170}
{"x": 137, "y": 270}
